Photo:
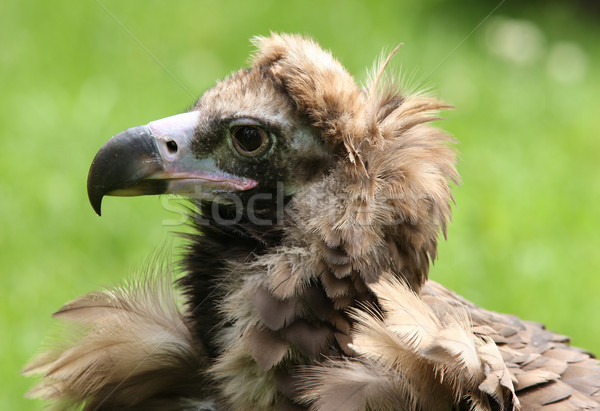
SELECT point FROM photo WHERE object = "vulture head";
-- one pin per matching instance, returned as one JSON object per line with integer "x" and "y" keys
{"x": 240, "y": 140}
{"x": 295, "y": 145}
{"x": 317, "y": 207}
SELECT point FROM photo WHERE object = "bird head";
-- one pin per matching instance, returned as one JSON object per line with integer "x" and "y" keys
{"x": 365, "y": 176}
{"x": 241, "y": 138}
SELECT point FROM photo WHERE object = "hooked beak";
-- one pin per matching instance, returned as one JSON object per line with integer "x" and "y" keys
{"x": 157, "y": 159}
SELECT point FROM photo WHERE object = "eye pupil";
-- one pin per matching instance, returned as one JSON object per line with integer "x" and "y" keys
{"x": 249, "y": 140}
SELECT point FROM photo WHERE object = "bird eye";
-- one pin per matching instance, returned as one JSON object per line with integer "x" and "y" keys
{"x": 249, "y": 140}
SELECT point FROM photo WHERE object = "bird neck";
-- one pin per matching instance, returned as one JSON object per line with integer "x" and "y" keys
{"x": 223, "y": 235}
{"x": 263, "y": 293}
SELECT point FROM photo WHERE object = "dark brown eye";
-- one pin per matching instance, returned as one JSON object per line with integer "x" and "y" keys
{"x": 249, "y": 140}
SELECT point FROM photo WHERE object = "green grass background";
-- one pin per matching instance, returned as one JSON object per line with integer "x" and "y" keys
{"x": 525, "y": 84}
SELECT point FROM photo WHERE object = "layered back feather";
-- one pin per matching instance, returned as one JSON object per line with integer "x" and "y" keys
{"x": 408, "y": 354}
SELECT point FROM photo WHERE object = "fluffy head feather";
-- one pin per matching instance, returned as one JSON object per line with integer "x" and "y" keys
{"x": 390, "y": 195}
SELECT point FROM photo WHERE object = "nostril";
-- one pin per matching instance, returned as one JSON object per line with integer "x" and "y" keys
{"x": 172, "y": 146}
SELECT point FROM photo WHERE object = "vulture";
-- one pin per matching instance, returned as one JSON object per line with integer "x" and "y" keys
{"x": 316, "y": 207}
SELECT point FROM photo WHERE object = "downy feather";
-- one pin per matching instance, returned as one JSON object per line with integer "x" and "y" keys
{"x": 127, "y": 345}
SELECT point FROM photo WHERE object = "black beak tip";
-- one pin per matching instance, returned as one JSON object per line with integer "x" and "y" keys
{"x": 95, "y": 196}
{"x": 97, "y": 205}
{"x": 95, "y": 190}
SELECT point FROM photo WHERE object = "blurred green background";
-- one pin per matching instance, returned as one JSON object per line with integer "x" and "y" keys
{"x": 525, "y": 83}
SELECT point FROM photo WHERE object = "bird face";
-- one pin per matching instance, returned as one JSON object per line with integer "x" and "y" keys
{"x": 243, "y": 137}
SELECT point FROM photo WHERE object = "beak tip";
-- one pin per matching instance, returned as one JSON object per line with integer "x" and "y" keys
{"x": 95, "y": 192}
{"x": 96, "y": 202}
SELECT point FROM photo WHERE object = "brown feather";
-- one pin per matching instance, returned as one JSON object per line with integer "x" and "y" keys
{"x": 130, "y": 344}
